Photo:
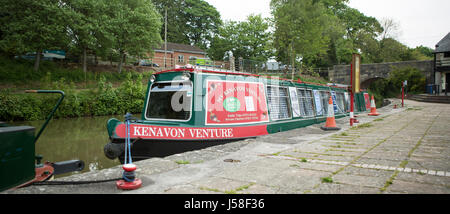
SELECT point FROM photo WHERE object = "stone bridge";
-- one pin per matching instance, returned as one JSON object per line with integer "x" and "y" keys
{"x": 371, "y": 72}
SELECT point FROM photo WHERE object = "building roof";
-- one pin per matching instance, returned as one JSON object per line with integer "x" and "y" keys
{"x": 175, "y": 47}
{"x": 443, "y": 45}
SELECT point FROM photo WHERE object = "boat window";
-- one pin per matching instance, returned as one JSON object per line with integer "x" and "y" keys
{"x": 279, "y": 106}
{"x": 325, "y": 97}
{"x": 170, "y": 101}
{"x": 347, "y": 101}
{"x": 340, "y": 102}
{"x": 306, "y": 102}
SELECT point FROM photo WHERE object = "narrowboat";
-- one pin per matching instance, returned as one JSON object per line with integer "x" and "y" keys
{"x": 191, "y": 108}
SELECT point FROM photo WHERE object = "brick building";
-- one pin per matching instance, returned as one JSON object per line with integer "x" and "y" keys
{"x": 177, "y": 54}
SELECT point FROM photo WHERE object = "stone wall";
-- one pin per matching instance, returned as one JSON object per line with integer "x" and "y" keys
{"x": 341, "y": 73}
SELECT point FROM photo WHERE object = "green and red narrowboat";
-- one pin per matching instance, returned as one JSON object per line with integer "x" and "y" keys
{"x": 193, "y": 108}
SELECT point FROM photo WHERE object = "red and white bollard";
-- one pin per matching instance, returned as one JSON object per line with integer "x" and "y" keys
{"x": 129, "y": 181}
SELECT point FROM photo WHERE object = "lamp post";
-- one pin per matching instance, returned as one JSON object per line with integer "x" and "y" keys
{"x": 165, "y": 39}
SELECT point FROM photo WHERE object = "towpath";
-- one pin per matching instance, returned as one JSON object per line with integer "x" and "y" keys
{"x": 404, "y": 150}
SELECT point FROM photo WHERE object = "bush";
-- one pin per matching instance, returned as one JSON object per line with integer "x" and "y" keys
{"x": 391, "y": 87}
{"x": 100, "y": 101}
{"x": 416, "y": 79}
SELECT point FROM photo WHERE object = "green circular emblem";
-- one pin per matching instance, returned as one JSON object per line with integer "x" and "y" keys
{"x": 232, "y": 104}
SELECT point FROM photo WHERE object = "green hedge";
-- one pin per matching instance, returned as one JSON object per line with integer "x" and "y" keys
{"x": 99, "y": 101}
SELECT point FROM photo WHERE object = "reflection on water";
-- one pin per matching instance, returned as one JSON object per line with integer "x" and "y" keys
{"x": 79, "y": 138}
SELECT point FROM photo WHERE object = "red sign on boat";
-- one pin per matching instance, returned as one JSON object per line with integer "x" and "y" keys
{"x": 234, "y": 102}
{"x": 367, "y": 100}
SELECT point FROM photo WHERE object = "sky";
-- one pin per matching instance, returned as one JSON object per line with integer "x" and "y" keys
{"x": 421, "y": 22}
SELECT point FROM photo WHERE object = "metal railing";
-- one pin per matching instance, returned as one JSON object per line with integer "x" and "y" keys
{"x": 238, "y": 65}
{"x": 443, "y": 62}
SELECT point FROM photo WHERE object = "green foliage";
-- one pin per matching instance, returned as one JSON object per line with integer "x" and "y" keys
{"x": 300, "y": 28}
{"x": 416, "y": 79}
{"x": 103, "y": 100}
{"x": 193, "y": 22}
{"x": 391, "y": 87}
{"x": 425, "y": 51}
{"x": 28, "y": 26}
{"x": 327, "y": 32}
{"x": 19, "y": 72}
{"x": 326, "y": 180}
{"x": 105, "y": 26}
{"x": 133, "y": 27}
{"x": 248, "y": 39}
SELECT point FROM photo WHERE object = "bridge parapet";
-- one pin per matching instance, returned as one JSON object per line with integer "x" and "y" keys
{"x": 341, "y": 73}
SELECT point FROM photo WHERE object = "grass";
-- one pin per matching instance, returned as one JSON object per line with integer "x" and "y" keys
{"x": 241, "y": 188}
{"x": 362, "y": 126}
{"x": 326, "y": 180}
{"x": 389, "y": 182}
{"x": 276, "y": 154}
{"x": 414, "y": 109}
{"x": 209, "y": 189}
{"x": 182, "y": 162}
{"x": 234, "y": 191}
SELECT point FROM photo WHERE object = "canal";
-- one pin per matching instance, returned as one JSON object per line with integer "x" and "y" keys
{"x": 75, "y": 138}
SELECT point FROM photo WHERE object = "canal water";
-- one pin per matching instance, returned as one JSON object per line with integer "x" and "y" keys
{"x": 78, "y": 138}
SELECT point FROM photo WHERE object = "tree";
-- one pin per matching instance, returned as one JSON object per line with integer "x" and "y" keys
{"x": 32, "y": 26}
{"x": 425, "y": 51}
{"x": 85, "y": 25}
{"x": 299, "y": 28}
{"x": 133, "y": 26}
{"x": 193, "y": 22}
{"x": 248, "y": 39}
{"x": 390, "y": 27}
{"x": 203, "y": 21}
{"x": 176, "y": 28}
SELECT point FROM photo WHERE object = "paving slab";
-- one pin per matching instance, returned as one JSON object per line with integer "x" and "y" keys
{"x": 335, "y": 188}
{"x": 407, "y": 187}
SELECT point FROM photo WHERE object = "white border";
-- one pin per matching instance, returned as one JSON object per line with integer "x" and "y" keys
{"x": 226, "y": 124}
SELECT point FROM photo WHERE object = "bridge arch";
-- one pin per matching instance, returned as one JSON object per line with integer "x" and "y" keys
{"x": 366, "y": 83}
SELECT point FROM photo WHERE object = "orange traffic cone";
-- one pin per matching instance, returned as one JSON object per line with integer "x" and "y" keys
{"x": 330, "y": 125}
{"x": 373, "y": 108}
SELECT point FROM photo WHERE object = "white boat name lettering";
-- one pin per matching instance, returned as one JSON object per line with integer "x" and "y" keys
{"x": 181, "y": 132}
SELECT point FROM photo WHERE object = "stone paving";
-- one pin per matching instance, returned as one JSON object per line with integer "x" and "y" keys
{"x": 402, "y": 151}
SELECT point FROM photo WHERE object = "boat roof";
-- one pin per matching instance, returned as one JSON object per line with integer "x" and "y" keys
{"x": 204, "y": 69}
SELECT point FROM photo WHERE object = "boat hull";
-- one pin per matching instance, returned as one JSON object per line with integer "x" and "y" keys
{"x": 150, "y": 148}
{"x": 161, "y": 141}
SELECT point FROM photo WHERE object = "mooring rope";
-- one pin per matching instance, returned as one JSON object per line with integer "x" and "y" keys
{"x": 43, "y": 183}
